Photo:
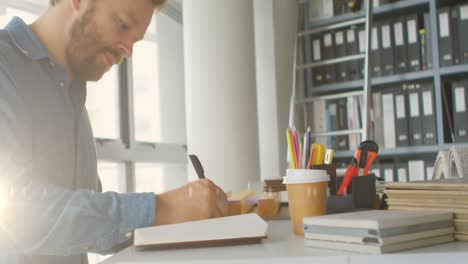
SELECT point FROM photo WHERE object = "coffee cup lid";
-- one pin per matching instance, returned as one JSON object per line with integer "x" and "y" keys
{"x": 296, "y": 176}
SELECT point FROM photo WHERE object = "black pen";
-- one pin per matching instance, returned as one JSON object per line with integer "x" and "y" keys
{"x": 197, "y": 166}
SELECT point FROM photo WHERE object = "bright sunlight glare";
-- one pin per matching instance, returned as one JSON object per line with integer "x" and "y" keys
{"x": 2, "y": 200}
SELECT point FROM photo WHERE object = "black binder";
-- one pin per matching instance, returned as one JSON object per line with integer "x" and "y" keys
{"x": 427, "y": 36}
{"x": 307, "y": 55}
{"x": 415, "y": 117}
{"x": 317, "y": 72}
{"x": 376, "y": 54}
{"x": 352, "y": 67}
{"x": 352, "y": 6}
{"x": 387, "y": 48}
{"x": 328, "y": 48}
{"x": 340, "y": 51}
{"x": 399, "y": 50}
{"x": 338, "y": 7}
{"x": 342, "y": 142}
{"x": 447, "y": 105}
{"x": 307, "y": 49}
{"x": 462, "y": 32}
{"x": 445, "y": 37}
{"x": 428, "y": 113}
{"x": 401, "y": 116}
{"x": 460, "y": 116}
{"x": 413, "y": 43}
{"x": 456, "y": 34}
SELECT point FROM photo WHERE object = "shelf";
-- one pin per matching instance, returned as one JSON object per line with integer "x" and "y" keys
{"x": 400, "y": 151}
{"x": 410, "y": 76}
{"x": 452, "y": 70}
{"x": 347, "y": 23}
{"x": 337, "y": 133}
{"x": 378, "y": 11}
{"x": 447, "y": 146}
{"x": 351, "y": 85}
{"x": 324, "y": 22}
{"x": 399, "y": 6}
{"x": 329, "y": 97}
{"x": 335, "y": 87}
{"x": 330, "y": 62}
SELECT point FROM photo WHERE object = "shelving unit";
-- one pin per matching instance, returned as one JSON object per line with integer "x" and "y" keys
{"x": 436, "y": 74}
{"x": 352, "y": 85}
{"x": 330, "y": 24}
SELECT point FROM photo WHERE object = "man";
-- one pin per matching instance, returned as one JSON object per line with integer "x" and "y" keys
{"x": 49, "y": 212}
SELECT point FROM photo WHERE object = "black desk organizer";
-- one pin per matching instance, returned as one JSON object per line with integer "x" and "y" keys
{"x": 361, "y": 192}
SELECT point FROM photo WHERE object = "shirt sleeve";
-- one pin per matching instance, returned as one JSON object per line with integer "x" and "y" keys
{"x": 45, "y": 219}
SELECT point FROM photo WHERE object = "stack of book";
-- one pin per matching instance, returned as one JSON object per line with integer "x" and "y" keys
{"x": 377, "y": 231}
{"x": 274, "y": 185}
{"x": 449, "y": 195}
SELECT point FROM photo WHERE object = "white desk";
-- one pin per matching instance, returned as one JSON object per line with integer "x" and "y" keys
{"x": 282, "y": 246}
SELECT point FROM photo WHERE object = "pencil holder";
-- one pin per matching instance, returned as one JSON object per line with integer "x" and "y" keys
{"x": 331, "y": 171}
{"x": 361, "y": 194}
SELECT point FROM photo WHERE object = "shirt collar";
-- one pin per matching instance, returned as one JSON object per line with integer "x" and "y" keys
{"x": 26, "y": 40}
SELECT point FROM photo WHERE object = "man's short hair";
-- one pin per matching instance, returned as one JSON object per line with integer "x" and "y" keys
{"x": 158, "y": 4}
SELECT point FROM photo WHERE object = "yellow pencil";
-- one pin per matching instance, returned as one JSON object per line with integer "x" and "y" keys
{"x": 318, "y": 154}
{"x": 291, "y": 152}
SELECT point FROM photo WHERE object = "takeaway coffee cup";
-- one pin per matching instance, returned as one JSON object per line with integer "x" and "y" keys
{"x": 307, "y": 195}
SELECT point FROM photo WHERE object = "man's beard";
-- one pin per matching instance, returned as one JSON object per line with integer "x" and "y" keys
{"x": 82, "y": 49}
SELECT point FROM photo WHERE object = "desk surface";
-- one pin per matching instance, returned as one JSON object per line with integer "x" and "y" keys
{"x": 281, "y": 244}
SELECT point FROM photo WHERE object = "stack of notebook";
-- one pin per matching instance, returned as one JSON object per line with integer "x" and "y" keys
{"x": 274, "y": 185}
{"x": 449, "y": 195}
{"x": 378, "y": 231}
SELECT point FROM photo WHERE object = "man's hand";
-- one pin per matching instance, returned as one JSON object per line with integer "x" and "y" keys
{"x": 197, "y": 200}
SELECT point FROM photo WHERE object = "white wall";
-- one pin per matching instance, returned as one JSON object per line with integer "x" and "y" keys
{"x": 220, "y": 90}
{"x": 275, "y": 31}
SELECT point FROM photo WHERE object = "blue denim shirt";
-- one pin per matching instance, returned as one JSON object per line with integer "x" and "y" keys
{"x": 49, "y": 211}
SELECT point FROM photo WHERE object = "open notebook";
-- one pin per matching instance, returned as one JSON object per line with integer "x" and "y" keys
{"x": 232, "y": 230}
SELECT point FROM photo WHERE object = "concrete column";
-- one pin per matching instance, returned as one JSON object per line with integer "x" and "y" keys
{"x": 220, "y": 90}
{"x": 275, "y": 31}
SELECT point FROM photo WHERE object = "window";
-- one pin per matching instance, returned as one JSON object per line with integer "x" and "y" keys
{"x": 157, "y": 178}
{"x": 137, "y": 110}
{"x": 131, "y": 117}
{"x": 148, "y": 178}
{"x": 146, "y": 92}
{"x": 112, "y": 176}
{"x": 102, "y": 103}
{"x": 7, "y": 13}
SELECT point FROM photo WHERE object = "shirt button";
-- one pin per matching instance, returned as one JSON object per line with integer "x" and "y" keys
{"x": 62, "y": 84}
